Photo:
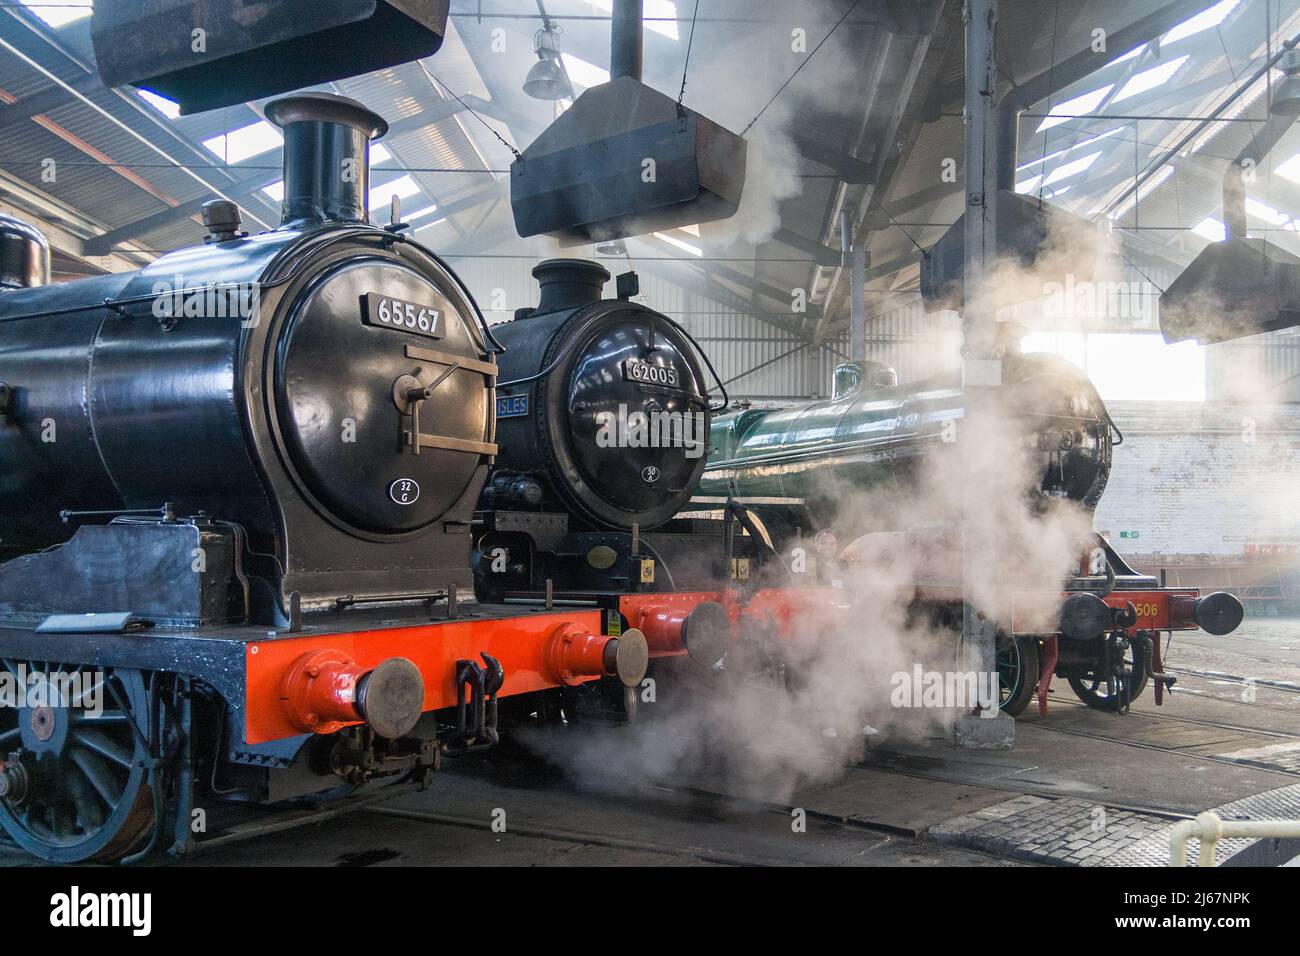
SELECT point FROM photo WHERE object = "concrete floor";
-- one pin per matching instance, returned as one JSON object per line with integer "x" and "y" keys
{"x": 917, "y": 804}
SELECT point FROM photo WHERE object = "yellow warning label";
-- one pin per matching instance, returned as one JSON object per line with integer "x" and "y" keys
{"x": 615, "y": 626}
{"x": 740, "y": 569}
{"x": 647, "y": 570}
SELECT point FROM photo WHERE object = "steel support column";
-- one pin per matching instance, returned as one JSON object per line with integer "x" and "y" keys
{"x": 981, "y": 368}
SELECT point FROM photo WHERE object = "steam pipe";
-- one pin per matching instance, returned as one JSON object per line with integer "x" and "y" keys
{"x": 1006, "y": 130}
{"x": 625, "y": 40}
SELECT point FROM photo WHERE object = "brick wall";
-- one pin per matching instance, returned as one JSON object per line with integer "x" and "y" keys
{"x": 1203, "y": 479}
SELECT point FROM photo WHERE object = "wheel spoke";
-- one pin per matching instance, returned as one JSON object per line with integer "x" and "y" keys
{"x": 99, "y": 776}
{"x": 87, "y": 692}
{"x": 98, "y": 720}
{"x": 102, "y": 744}
{"x": 88, "y": 809}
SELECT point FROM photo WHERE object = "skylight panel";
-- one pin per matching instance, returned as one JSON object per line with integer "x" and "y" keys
{"x": 403, "y": 187}
{"x": 660, "y": 15}
{"x": 583, "y": 73}
{"x": 1028, "y": 185}
{"x": 58, "y": 13}
{"x": 1266, "y": 212}
{"x": 1073, "y": 146}
{"x": 1150, "y": 79}
{"x": 1212, "y": 229}
{"x": 674, "y": 241}
{"x": 1073, "y": 168}
{"x": 421, "y": 213}
{"x": 275, "y": 190}
{"x": 1290, "y": 169}
{"x": 379, "y": 154}
{"x": 1202, "y": 21}
{"x": 1146, "y": 189}
{"x": 1079, "y": 106}
{"x": 245, "y": 142}
{"x": 166, "y": 107}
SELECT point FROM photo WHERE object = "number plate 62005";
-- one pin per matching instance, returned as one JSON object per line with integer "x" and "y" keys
{"x": 387, "y": 312}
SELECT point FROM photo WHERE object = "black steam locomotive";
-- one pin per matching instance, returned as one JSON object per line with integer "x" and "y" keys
{"x": 603, "y": 417}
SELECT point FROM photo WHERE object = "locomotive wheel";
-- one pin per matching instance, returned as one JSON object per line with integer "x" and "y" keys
{"x": 1091, "y": 687}
{"x": 83, "y": 791}
{"x": 1017, "y": 672}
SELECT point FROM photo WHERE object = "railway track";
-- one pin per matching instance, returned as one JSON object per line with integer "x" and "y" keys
{"x": 1169, "y": 750}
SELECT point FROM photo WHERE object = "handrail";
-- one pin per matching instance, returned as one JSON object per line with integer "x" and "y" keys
{"x": 1210, "y": 828}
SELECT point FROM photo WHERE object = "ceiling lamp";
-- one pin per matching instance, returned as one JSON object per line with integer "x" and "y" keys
{"x": 547, "y": 80}
{"x": 1286, "y": 97}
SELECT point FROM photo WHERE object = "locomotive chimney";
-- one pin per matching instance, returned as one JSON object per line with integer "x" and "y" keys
{"x": 24, "y": 255}
{"x": 568, "y": 284}
{"x": 326, "y": 156}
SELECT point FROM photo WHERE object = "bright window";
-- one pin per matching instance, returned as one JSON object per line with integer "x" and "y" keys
{"x": 1126, "y": 366}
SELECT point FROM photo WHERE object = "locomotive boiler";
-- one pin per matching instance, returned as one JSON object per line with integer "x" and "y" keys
{"x": 799, "y": 466}
{"x": 317, "y": 399}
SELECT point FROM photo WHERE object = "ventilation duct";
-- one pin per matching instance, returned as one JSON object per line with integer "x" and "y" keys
{"x": 1030, "y": 234}
{"x": 1241, "y": 286}
{"x": 624, "y": 159}
{"x": 205, "y": 54}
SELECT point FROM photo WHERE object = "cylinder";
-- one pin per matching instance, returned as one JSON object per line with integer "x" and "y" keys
{"x": 326, "y": 156}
